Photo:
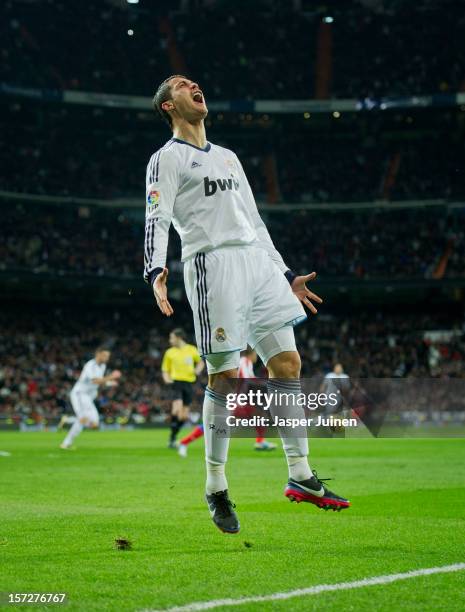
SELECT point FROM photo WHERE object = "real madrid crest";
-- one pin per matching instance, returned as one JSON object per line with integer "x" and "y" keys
{"x": 220, "y": 334}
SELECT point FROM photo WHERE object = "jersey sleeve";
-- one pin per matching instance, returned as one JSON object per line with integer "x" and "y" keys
{"x": 166, "y": 362}
{"x": 264, "y": 238}
{"x": 87, "y": 373}
{"x": 161, "y": 187}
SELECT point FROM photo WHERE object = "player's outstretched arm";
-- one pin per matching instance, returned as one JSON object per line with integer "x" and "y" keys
{"x": 109, "y": 378}
{"x": 304, "y": 294}
{"x": 161, "y": 293}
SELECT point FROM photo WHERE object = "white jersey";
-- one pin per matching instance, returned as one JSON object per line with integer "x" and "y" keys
{"x": 84, "y": 383}
{"x": 206, "y": 195}
{"x": 246, "y": 368}
{"x": 330, "y": 375}
{"x": 336, "y": 382}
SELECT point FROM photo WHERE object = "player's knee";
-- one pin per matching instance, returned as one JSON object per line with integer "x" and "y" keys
{"x": 285, "y": 365}
{"x": 217, "y": 381}
{"x": 177, "y": 405}
{"x": 83, "y": 421}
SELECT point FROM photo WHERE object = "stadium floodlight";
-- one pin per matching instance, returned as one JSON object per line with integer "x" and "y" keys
{"x": 328, "y": 19}
{"x": 130, "y": 32}
{"x": 132, "y": 1}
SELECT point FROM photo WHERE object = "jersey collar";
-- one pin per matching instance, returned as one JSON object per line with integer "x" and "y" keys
{"x": 205, "y": 149}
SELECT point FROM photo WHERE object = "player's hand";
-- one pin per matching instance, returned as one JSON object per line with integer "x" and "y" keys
{"x": 305, "y": 295}
{"x": 115, "y": 375}
{"x": 161, "y": 293}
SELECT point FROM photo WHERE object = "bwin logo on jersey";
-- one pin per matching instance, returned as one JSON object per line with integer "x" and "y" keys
{"x": 211, "y": 186}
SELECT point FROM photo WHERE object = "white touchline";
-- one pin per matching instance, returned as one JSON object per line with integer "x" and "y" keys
{"x": 314, "y": 590}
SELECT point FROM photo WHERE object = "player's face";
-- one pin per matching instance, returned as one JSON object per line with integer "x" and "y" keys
{"x": 188, "y": 100}
{"x": 103, "y": 356}
{"x": 174, "y": 340}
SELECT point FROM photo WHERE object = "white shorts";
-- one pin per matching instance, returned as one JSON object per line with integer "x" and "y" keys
{"x": 84, "y": 407}
{"x": 279, "y": 341}
{"x": 238, "y": 296}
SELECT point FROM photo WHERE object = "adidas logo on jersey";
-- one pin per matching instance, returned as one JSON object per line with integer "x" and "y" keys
{"x": 211, "y": 186}
{"x": 195, "y": 164}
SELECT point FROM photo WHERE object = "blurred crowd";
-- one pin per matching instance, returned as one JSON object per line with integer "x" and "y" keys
{"x": 42, "y": 359}
{"x": 46, "y": 151}
{"x": 368, "y": 244}
{"x": 262, "y": 50}
{"x": 69, "y": 240}
{"x": 42, "y": 351}
{"x": 385, "y": 344}
{"x": 361, "y": 169}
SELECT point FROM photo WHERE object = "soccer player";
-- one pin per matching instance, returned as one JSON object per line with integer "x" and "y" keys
{"x": 246, "y": 364}
{"x": 180, "y": 367}
{"x": 336, "y": 382}
{"x": 196, "y": 433}
{"x": 240, "y": 290}
{"x": 85, "y": 391}
{"x": 66, "y": 419}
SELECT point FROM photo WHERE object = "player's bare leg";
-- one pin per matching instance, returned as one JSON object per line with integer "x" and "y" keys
{"x": 66, "y": 419}
{"x": 74, "y": 431}
{"x": 303, "y": 484}
{"x": 179, "y": 415}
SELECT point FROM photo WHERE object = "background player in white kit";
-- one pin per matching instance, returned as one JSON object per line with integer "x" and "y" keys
{"x": 85, "y": 391}
{"x": 337, "y": 382}
{"x": 240, "y": 290}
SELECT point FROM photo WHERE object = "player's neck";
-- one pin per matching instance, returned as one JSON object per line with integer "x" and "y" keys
{"x": 193, "y": 133}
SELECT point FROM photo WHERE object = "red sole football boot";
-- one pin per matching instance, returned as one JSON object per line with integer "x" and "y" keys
{"x": 313, "y": 491}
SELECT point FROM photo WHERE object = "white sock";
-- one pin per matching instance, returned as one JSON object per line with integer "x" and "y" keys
{"x": 73, "y": 432}
{"x": 216, "y": 440}
{"x": 216, "y": 478}
{"x": 295, "y": 446}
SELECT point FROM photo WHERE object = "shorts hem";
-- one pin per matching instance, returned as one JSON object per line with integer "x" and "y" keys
{"x": 293, "y": 322}
{"x": 232, "y": 350}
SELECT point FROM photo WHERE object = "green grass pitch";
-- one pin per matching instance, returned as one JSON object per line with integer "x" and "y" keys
{"x": 61, "y": 512}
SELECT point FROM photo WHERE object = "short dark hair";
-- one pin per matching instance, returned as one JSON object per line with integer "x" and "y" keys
{"x": 163, "y": 94}
{"x": 102, "y": 348}
{"x": 180, "y": 333}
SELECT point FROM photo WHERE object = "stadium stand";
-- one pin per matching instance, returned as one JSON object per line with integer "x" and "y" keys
{"x": 249, "y": 54}
{"x": 397, "y": 244}
{"x": 42, "y": 350}
{"x": 405, "y": 165}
